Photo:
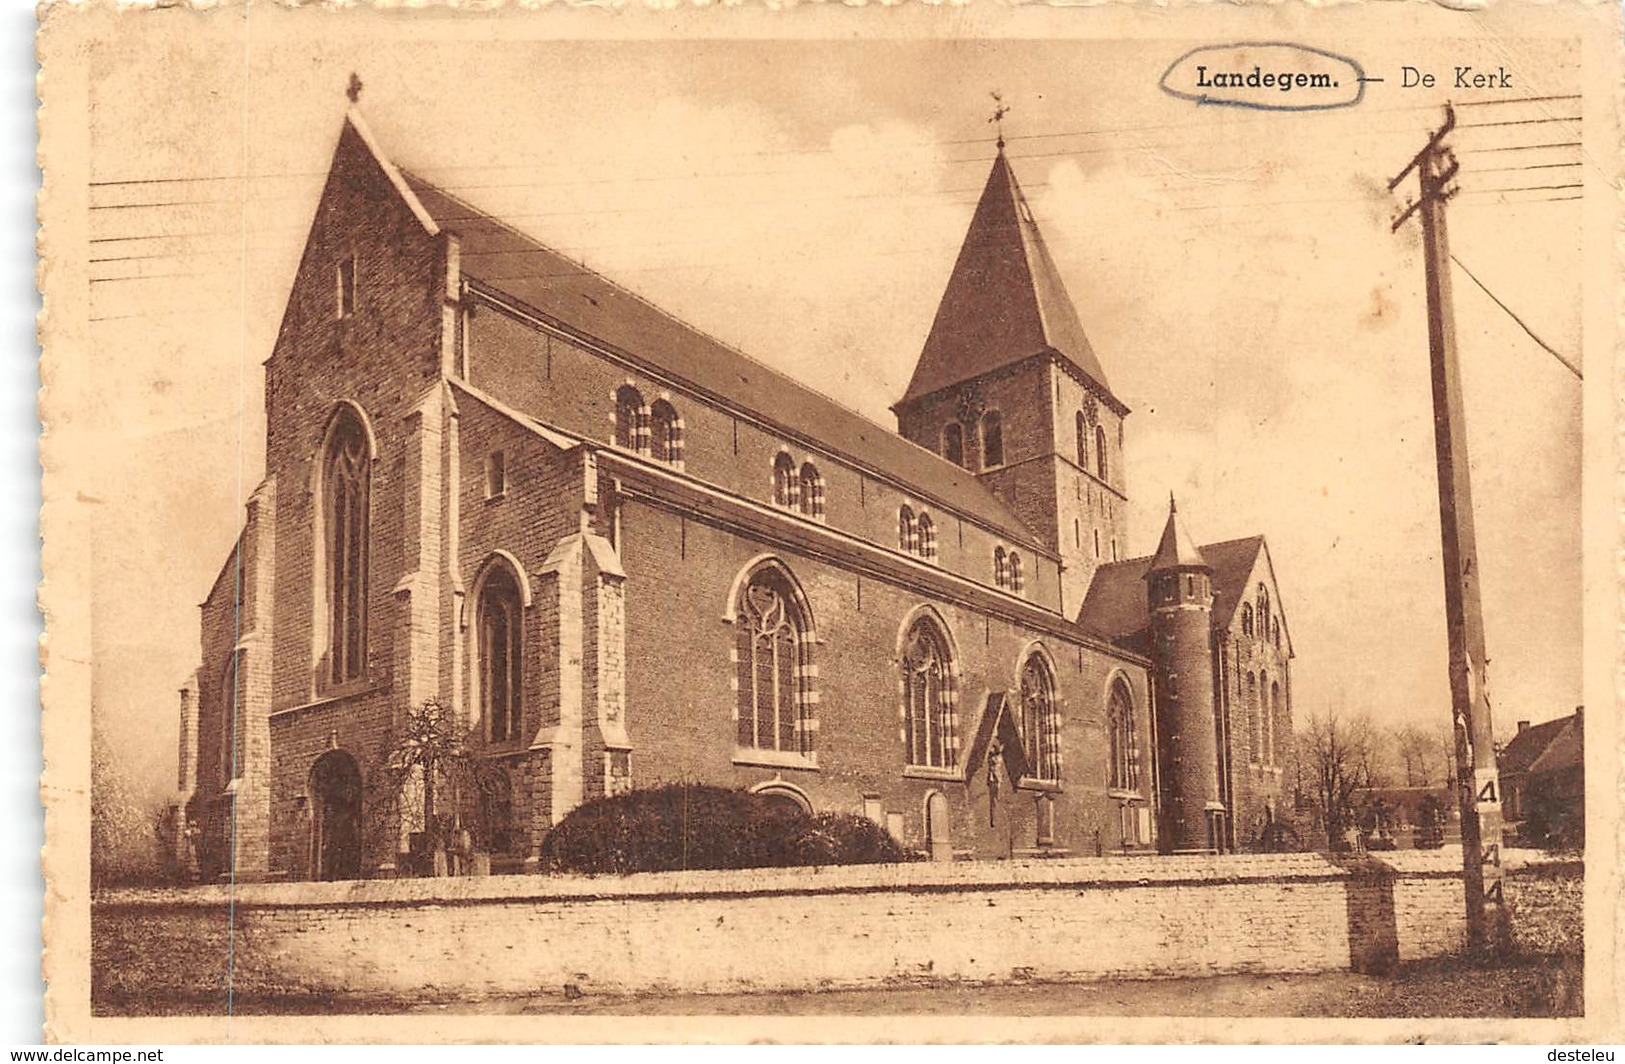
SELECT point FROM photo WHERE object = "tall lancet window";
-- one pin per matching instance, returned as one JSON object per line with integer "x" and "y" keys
{"x": 501, "y": 649}
{"x": 346, "y": 483}
{"x": 928, "y": 697}
{"x": 1125, "y": 753}
{"x": 953, "y": 443}
{"x": 1040, "y": 722}
{"x": 1100, "y": 451}
{"x": 992, "y": 440}
{"x": 773, "y": 658}
{"x": 1083, "y": 442}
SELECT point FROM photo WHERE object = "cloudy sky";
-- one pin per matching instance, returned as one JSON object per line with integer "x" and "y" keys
{"x": 804, "y": 201}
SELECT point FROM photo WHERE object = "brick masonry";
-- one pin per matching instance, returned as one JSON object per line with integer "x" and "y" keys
{"x": 803, "y": 929}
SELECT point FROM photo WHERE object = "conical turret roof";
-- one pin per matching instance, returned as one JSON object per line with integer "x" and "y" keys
{"x": 1004, "y": 302}
{"x": 1177, "y": 550}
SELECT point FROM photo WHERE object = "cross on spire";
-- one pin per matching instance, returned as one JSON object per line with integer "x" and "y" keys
{"x": 353, "y": 90}
{"x": 1000, "y": 109}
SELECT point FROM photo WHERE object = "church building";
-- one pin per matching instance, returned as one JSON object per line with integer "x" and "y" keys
{"x": 618, "y": 553}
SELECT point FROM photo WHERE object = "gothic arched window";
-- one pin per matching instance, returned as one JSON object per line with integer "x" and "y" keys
{"x": 1040, "y": 722}
{"x": 1018, "y": 581}
{"x": 926, "y": 538}
{"x": 501, "y": 650}
{"x": 1083, "y": 442}
{"x": 631, "y": 420}
{"x": 1001, "y": 568}
{"x": 784, "y": 480}
{"x": 1246, "y": 618}
{"x": 665, "y": 433}
{"x": 811, "y": 490}
{"x": 773, "y": 651}
{"x": 1252, "y": 718}
{"x": 231, "y": 721}
{"x": 1125, "y": 751}
{"x": 1275, "y": 716}
{"x": 1100, "y": 451}
{"x": 992, "y": 439}
{"x": 346, "y": 489}
{"x": 953, "y": 443}
{"x": 907, "y": 533}
{"x": 1263, "y": 612}
{"x": 929, "y": 696}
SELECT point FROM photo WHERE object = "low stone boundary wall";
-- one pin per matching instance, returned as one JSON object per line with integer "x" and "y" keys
{"x": 775, "y": 929}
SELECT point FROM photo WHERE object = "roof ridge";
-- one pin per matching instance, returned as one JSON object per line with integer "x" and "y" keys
{"x": 639, "y": 296}
{"x": 908, "y": 486}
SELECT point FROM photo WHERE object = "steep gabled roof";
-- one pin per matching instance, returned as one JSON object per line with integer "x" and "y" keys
{"x": 1004, "y": 302}
{"x": 1115, "y": 607}
{"x": 568, "y": 294}
{"x": 1527, "y": 746}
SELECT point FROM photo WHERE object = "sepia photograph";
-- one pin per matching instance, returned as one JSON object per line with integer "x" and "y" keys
{"x": 880, "y": 525}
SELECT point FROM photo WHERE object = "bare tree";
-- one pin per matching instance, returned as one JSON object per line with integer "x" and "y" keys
{"x": 1421, "y": 755}
{"x": 431, "y": 761}
{"x": 1337, "y": 756}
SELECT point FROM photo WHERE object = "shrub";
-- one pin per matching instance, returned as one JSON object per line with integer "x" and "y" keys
{"x": 685, "y": 825}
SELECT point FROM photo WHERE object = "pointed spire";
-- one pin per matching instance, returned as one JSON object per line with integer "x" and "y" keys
{"x": 1176, "y": 551}
{"x": 1004, "y": 302}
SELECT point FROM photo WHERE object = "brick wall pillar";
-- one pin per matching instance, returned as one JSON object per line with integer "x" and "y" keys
{"x": 250, "y": 792}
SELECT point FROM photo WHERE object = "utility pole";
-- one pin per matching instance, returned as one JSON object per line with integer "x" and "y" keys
{"x": 1477, "y": 779}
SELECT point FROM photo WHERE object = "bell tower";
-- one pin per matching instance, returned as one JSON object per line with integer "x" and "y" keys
{"x": 1009, "y": 387}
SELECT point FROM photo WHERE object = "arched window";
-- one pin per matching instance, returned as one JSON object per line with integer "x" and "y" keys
{"x": 1001, "y": 569}
{"x": 1083, "y": 442}
{"x": 231, "y": 723}
{"x": 1252, "y": 718}
{"x": 1275, "y": 633}
{"x": 346, "y": 487}
{"x": 1246, "y": 618}
{"x": 927, "y": 537}
{"x": 953, "y": 443}
{"x": 1040, "y": 723}
{"x": 812, "y": 491}
{"x": 784, "y": 480}
{"x": 1018, "y": 581}
{"x": 1100, "y": 451}
{"x": 501, "y": 650}
{"x": 1263, "y": 612}
{"x": 1125, "y": 752}
{"x": 929, "y": 697}
{"x": 992, "y": 439}
{"x": 773, "y": 652}
{"x": 665, "y": 433}
{"x": 631, "y": 420}
{"x": 907, "y": 533}
{"x": 1275, "y": 720}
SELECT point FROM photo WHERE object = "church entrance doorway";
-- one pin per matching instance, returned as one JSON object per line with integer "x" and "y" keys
{"x": 335, "y": 822}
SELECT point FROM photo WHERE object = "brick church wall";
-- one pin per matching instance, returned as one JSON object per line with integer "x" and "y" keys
{"x": 678, "y": 641}
{"x": 567, "y": 386}
{"x": 385, "y": 358}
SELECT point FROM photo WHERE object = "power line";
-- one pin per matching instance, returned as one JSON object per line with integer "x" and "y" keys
{"x": 1521, "y": 188}
{"x": 1570, "y": 366}
{"x": 1522, "y": 147}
